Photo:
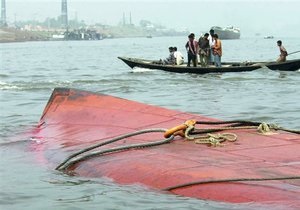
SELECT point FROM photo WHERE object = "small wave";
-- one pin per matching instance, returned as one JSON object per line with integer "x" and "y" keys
{"x": 6, "y": 86}
{"x": 139, "y": 69}
{"x": 32, "y": 85}
{"x": 4, "y": 76}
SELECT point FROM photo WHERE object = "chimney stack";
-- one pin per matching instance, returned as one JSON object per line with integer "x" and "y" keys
{"x": 3, "y": 14}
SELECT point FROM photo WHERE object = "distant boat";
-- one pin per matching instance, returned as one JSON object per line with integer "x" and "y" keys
{"x": 149, "y": 36}
{"x": 269, "y": 37}
{"x": 58, "y": 36}
{"x": 228, "y": 32}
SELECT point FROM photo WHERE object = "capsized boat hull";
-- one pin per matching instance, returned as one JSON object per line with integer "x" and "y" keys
{"x": 74, "y": 119}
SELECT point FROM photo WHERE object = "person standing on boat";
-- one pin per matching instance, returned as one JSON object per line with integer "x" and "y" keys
{"x": 204, "y": 49}
{"x": 192, "y": 50}
{"x": 217, "y": 50}
{"x": 211, "y": 43}
{"x": 283, "y": 52}
{"x": 178, "y": 57}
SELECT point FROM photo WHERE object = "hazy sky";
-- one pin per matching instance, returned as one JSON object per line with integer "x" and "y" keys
{"x": 268, "y": 17}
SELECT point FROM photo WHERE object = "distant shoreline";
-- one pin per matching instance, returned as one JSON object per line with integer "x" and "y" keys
{"x": 8, "y": 35}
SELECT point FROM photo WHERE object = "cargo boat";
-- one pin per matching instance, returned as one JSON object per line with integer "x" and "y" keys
{"x": 228, "y": 32}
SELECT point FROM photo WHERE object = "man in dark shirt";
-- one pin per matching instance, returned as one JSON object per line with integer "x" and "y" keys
{"x": 204, "y": 49}
{"x": 192, "y": 50}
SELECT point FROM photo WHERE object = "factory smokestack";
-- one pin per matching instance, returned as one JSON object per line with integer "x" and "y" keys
{"x": 3, "y": 13}
{"x": 64, "y": 14}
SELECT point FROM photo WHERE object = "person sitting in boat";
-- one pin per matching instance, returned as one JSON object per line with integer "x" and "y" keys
{"x": 204, "y": 49}
{"x": 217, "y": 50}
{"x": 171, "y": 59}
{"x": 192, "y": 50}
{"x": 178, "y": 56}
{"x": 283, "y": 52}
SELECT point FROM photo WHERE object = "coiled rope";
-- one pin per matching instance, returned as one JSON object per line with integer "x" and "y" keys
{"x": 239, "y": 124}
{"x": 186, "y": 130}
{"x": 78, "y": 157}
{"x": 189, "y": 132}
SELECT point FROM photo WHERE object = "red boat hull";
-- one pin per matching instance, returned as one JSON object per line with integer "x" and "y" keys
{"x": 74, "y": 119}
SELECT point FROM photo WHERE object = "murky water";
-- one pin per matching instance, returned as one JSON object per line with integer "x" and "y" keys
{"x": 30, "y": 71}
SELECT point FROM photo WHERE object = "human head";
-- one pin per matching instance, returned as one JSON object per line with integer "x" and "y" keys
{"x": 175, "y": 48}
{"x": 191, "y": 36}
{"x": 216, "y": 36}
{"x": 206, "y": 35}
{"x": 211, "y": 32}
{"x": 279, "y": 42}
{"x": 171, "y": 49}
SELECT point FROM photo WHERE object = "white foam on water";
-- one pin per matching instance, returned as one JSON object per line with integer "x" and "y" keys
{"x": 139, "y": 69}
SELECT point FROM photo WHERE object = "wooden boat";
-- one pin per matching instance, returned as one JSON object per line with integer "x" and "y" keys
{"x": 255, "y": 168}
{"x": 291, "y": 65}
{"x": 226, "y": 67}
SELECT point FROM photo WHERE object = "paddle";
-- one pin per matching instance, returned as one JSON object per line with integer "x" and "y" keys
{"x": 294, "y": 52}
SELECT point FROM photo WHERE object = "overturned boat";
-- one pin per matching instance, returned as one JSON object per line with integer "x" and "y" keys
{"x": 96, "y": 135}
{"x": 290, "y": 65}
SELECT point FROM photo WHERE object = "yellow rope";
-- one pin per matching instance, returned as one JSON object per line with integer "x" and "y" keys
{"x": 265, "y": 129}
{"x": 217, "y": 139}
{"x": 214, "y": 139}
{"x": 188, "y": 131}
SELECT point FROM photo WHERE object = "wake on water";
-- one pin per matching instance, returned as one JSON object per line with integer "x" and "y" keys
{"x": 139, "y": 69}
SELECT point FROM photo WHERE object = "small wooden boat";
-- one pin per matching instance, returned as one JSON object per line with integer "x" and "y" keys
{"x": 255, "y": 168}
{"x": 291, "y": 65}
{"x": 226, "y": 67}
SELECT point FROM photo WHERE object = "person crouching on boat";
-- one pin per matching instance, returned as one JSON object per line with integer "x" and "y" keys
{"x": 204, "y": 49}
{"x": 171, "y": 59}
{"x": 283, "y": 52}
{"x": 217, "y": 50}
{"x": 178, "y": 56}
{"x": 192, "y": 50}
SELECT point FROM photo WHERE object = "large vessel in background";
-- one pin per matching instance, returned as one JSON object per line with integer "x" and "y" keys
{"x": 228, "y": 32}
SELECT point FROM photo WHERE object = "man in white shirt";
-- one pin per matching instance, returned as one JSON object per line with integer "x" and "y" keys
{"x": 211, "y": 44}
{"x": 178, "y": 57}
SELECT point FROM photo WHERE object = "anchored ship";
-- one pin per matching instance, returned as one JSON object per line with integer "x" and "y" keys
{"x": 228, "y": 32}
